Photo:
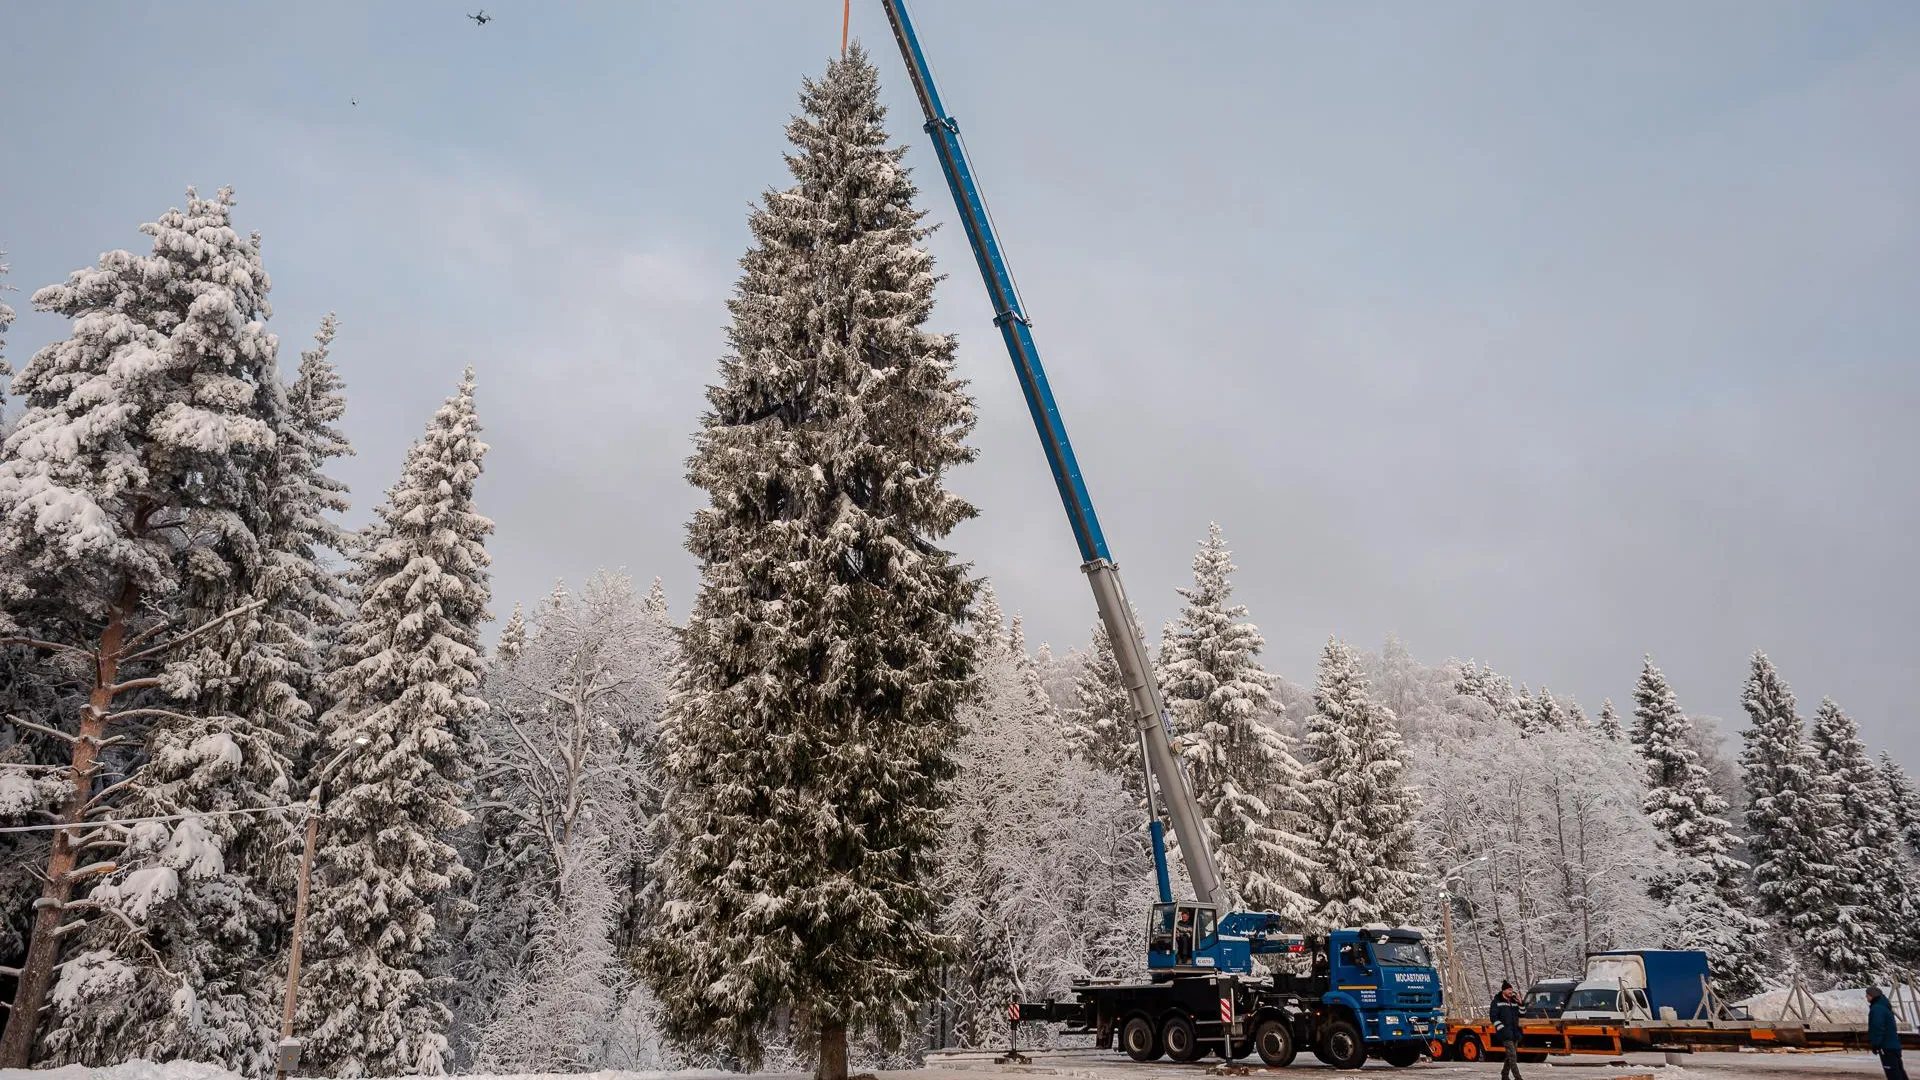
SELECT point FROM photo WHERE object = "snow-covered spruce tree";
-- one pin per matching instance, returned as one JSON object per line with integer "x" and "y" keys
{"x": 132, "y": 505}
{"x": 1100, "y": 725}
{"x": 1791, "y": 831}
{"x": 1904, "y": 800}
{"x": 1680, "y": 799}
{"x": 825, "y": 662}
{"x": 568, "y": 730}
{"x": 1866, "y": 843}
{"x": 406, "y": 676}
{"x": 1360, "y": 810}
{"x": 1609, "y": 723}
{"x": 1245, "y": 778}
{"x": 1708, "y": 888}
{"x": 1044, "y": 867}
{"x": 513, "y": 636}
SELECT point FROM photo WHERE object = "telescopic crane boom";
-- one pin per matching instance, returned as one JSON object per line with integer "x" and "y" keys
{"x": 1129, "y": 647}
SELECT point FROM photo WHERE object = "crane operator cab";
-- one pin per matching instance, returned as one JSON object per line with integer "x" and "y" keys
{"x": 1183, "y": 935}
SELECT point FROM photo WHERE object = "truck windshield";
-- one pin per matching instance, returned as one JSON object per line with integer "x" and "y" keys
{"x": 1593, "y": 1000}
{"x": 1401, "y": 954}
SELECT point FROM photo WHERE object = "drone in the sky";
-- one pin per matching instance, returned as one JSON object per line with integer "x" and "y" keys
{"x": 481, "y": 19}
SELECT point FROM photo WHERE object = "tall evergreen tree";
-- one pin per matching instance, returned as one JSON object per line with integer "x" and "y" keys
{"x": 1709, "y": 890}
{"x": 1680, "y": 797}
{"x": 1867, "y": 842}
{"x": 1790, "y": 830}
{"x": 1360, "y": 809}
{"x": 207, "y": 963}
{"x": 826, "y": 661}
{"x": 1245, "y": 779}
{"x": 131, "y": 506}
{"x": 1904, "y": 800}
{"x": 405, "y": 684}
{"x": 1609, "y": 725}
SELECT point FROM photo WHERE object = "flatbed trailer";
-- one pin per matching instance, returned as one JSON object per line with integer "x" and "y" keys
{"x": 1474, "y": 1039}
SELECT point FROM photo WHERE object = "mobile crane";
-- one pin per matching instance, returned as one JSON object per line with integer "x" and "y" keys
{"x": 1372, "y": 989}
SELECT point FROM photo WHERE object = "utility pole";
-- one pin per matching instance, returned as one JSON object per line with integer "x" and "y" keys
{"x": 287, "y": 1057}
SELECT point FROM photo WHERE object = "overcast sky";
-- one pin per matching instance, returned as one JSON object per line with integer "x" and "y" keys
{"x": 1549, "y": 334}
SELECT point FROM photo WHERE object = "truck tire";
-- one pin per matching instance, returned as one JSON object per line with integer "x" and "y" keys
{"x": 1181, "y": 1041}
{"x": 1140, "y": 1039}
{"x": 1469, "y": 1049}
{"x": 1400, "y": 1055}
{"x": 1341, "y": 1046}
{"x": 1273, "y": 1041}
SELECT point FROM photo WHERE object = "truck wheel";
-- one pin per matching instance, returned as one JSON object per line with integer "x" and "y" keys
{"x": 1401, "y": 1055}
{"x": 1437, "y": 1050}
{"x": 1139, "y": 1039}
{"x": 1469, "y": 1048}
{"x": 1341, "y": 1046}
{"x": 1273, "y": 1040}
{"x": 1178, "y": 1036}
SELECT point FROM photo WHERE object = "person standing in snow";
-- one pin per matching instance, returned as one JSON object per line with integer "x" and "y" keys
{"x": 1505, "y": 1013}
{"x": 1883, "y": 1034}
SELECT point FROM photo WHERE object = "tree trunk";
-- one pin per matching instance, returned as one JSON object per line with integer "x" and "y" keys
{"x": 833, "y": 1052}
{"x": 43, "y": 951}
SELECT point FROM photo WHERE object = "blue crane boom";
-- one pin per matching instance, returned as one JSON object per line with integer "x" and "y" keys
{"x": 1164, "y": 775}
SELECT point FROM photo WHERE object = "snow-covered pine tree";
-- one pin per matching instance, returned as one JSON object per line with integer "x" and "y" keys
{"x": 1867, "y": 843}
{"x": 307, "y": 539}
{"x": 569, "y": 717}
{"x": 825, "y": 661}
{"x": 1360, "y": 810}
{"x": 1680, "y": 799}
{"x": 132, "y": 508}
{"x": 513, "y": 636}
{"x": 1904, "y": 800}
{"x": 406, "y": 676}
{"x": 1546, "y": 713}
{"x": 250, "y": 684}
{"x": 1100, "y": 725}
{"x": 1245, "y": 778}
{"x": 1609, "y": 725}
{"x": 1791, "y": 829}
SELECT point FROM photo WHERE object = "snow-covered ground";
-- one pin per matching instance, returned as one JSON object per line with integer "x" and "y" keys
{"x": 1098, "y": 1065}
{"x": 1094, "y": 1065}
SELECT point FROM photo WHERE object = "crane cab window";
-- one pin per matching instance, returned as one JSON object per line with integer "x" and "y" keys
{"x": 1160, "y": 929}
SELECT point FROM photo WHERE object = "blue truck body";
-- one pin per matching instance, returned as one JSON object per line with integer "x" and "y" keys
{"x": 1675, "y": 978}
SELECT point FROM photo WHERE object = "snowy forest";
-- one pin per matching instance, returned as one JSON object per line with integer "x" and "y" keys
{"x": 841, "y": 810}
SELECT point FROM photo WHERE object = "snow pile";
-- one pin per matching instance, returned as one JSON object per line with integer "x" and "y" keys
{"x": 1839, "y": 1006}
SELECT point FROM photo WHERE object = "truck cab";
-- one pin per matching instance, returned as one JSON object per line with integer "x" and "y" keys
{"x": 1547, "y": 999}
{"x": 1385, "y": 978}
{"x": 1607, "y": 999}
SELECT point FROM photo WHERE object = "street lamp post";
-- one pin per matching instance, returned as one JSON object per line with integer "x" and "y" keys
{"x": 287, "y": 1055}
{"x": 1456, "y": 984}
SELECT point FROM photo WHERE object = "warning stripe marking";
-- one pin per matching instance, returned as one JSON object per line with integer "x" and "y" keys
{"x": 1013, "y": 1012}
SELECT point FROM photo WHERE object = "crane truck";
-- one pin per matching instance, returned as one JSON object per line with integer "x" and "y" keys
{"x": 1369, "y": 991}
